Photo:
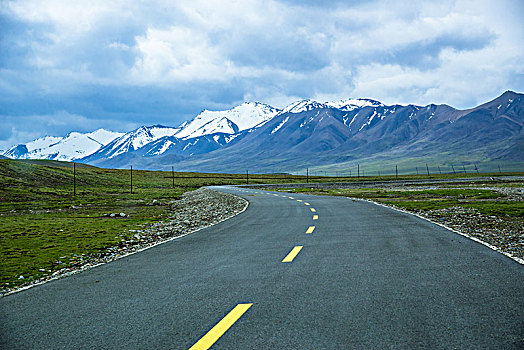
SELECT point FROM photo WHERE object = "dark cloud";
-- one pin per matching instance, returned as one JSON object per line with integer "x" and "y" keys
{"x": 424, "y": 55}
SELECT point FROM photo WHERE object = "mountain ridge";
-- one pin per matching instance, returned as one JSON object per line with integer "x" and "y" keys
{"x": 330, "y": 133}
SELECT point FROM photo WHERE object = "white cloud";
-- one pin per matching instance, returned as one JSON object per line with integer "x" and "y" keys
{"x": 177, "y": 54}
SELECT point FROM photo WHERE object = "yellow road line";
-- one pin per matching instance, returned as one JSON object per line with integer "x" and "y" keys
{"x": 299, "y": 200}
{"x": 221, "y": 327}
{"x": 292, "y": 254}
{"x": 315, "y": 217}
{"x": 313, "y": 210}
{"x": 310, "y": 229}
{"x": 291, "y": 198}
{"x": 306, "y": 203}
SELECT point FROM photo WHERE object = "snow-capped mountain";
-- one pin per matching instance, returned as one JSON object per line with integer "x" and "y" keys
{"x": 309, "y": 133}
{"x": 245, "y": 116}
{"x": 303, "y": 106}
{"x": 132, "y": 141}
{"x": 343, "y": 105}
{"x": 73, "y": 146}
{"x": 351, "y": 104}
{"x": 304, "y": 133}
{"x": 232, "y": 121}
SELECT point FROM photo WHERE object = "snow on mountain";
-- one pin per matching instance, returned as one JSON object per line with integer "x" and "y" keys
{"x": 103, "y": 136}
{"x": 303, "y": 105}
{"x": 351, "y": 104}
{"x": 344, "y": 105}
{"x": 222, "y": 125}
{"x": 134, "y": 140}
{"x": 75, "y": 145}
{"x": 245, "y": 116}
{"x": 42, "y": 143}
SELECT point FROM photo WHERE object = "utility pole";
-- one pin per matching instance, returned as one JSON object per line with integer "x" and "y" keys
{"x": 477, "y": 169}
{"x": 417, "y": 169}
{"x": 427, "y": 168}
{"x": 247, "y": 177}
{"x": 131, "y": 179}
{"x": 463, "y": 167}
{"x": 307, "y": 175}
{"x": 499, "y": 170}
{"x": 452, "y": 167}
{"x": 358, "y": 171}
{"x": 74, "y": 179}
{"x": 439, "y": 170}
{"x": 396, "y": 171}
{"x": 173, "y": 175}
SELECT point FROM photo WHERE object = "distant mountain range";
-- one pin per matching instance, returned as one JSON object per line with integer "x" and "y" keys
{"x": 305, "y": 133}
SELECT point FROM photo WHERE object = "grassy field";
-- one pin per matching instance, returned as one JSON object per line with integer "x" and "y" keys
{"x": 44, "y": 227}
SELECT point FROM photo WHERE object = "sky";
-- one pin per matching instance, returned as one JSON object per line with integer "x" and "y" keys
{"x": 80, "y": 65}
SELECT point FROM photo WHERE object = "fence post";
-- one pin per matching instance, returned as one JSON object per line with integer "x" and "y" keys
{"x": 427, "y": 168}
{"x": 131, "y": 179}
{"x": 74, "y": 179}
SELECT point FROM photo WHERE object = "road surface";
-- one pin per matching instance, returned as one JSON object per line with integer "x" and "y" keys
{"x": 292, "y": 271}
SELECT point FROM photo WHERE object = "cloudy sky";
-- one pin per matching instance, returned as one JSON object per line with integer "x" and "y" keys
{"x": 80, "y": 65}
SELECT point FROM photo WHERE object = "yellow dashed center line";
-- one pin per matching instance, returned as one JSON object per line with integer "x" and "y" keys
{"x": 310, "y": 229}
{"x": 292, "y": 254}
{"x": 290, "y": 197}
{"x": 221, "y": 327}
{"x": 299, "y": 200}
{"x": 315, "y": 217}
{"x": 306, "y": 203}
{"x": 313, "y": 210}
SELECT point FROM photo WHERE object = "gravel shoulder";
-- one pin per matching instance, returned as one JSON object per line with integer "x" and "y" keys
{"x": 194, "y": 211}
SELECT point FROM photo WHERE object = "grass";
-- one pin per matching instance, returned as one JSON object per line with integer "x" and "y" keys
{"x": 45, "y": 228}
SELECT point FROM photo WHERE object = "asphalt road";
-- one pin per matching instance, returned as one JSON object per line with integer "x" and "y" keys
{"x": 366, "y": 277}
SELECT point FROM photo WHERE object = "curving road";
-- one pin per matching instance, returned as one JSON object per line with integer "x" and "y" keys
{"x": 363, "y": 277}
